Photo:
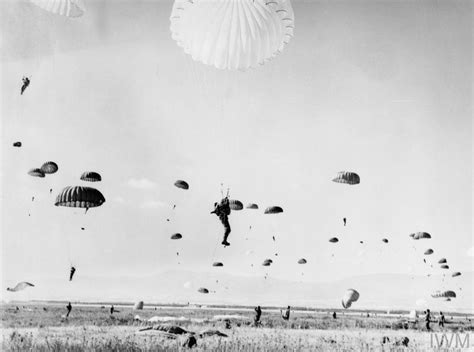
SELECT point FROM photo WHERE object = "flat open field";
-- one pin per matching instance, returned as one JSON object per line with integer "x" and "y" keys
{"x": 91, "y": 328}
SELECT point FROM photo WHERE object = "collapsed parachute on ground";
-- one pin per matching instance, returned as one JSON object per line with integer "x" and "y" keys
{"x": 235, "y": 204}
{"x": 217, "y": 264}
{"x": 420, "y": 235}
{"x": 138, "y": 306}
{"x": 17, "y": 144}
{"x": 444, "y": 266}
{"x": 232, "y": 35}
{"x": 384, "y": 240}
{"x": 79, "y": 197}
{"x": 273, "y": 210}
{"x": 334, "y": 240}
{"x": 302, "y": 261}
{"x": 181, "y": 184}
{"x": 267, "y": 262}
{"x": 350, "y": 296}
{"x": 49, "y": 167}
{"x": 68, "y": 8}
{"x": 203, "y": 290}
{"x": 20, "y": 286}
{"x": 350, "y": 178}
{"x": 447, "y": 299}
{"x": 457, "y": 273}
{"x": 36, "y": 173}
{"x": 252, "y": 206}
{"x": 429, "y": 251}
{"x": 91, "y": 176}
{"x": 176, "y": 236}
{"x": 444, "y": 294}
{"x": 442, "y": 261}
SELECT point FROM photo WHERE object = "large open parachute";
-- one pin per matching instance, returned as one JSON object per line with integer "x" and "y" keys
{"x": 429, "y": 251}
{"x": 176, "y": 236}
{"x": 17, "y": 144}
{"x": 203, "y": 290}
{"x": 49, "y": 167}
{"x": 181, "y": 184}
{"x": 68, "y": 8}
{"x": 457, "y": 273}
{"x": 267, "y": 262}
{"x": 420, "y": 235}
{"x": 444, "y": 294}
{"x": 350, "y": 178}
{"x": 302, "y": 261}
{"x": 350, "y": 296}
{"x": 274, "y": 210}
{"x": 232, "y": 35}
{"x": 36, "y": 173}
{"x": 91, "y": 176}
{"x": 79, "y": 197}
{"x": 252, "y": 206}
{"x": 217, "y": 264}
{"x": 334, "y": 240}
{"x": 235, "y": 204}
{"x": 442, "y": 261}
{"x": 444, "y": 266}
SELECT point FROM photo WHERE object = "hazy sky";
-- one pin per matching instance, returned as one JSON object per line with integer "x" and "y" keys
{"x": 382, "y": 88}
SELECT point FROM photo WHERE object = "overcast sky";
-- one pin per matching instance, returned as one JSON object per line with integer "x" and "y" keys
{"x": 382, "y": 88}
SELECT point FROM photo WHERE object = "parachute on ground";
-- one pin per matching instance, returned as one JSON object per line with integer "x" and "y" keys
{"x": 444, "y": 266}
{"x": 91, "y": 176}
{"x": 384, "y": 240}
{"x": 457, "y": 273}
{"x": 176, "y": 236}
{"x": 302, "y": 261}
{"x": 334, "y": 240}
{"x": 267, "y": 262}
{"x": 252, "y": 206}
{"x": 36, "y": 173}
{"x": 447, "y": 299}
{"x": 350, "y": 178}
{"x": 20, "y": 286}
{"x": 79, "y": 197}
{"x": 217, "y": 264}
{"x": 49, "y": 167}
{"x": 232, "y": 35}
{"x": 138, "y": 305}
{"x": 442, "y": 261}
{"x": 273, "y": 210}
{"x": 17, "y": 144}
{"x": 444, "y": 294}
{"x": 235, "y": 204}
{"x": 350, "y": 296}
{"x": 429, "y": 251}
{"x": 68, "y": 8}
{"x": 181, "y": 184}
{"x": 420, "y": 235}
{"x": 203, "y": 290}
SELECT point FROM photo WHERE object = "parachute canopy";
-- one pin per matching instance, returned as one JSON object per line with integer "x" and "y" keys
{"x": 420, "y": 235}
{"x": 49, "y": 167}
{"x": 442, "y": 261}
{"x": 333, "y": 240}
{"x": 68, "y": 8}
{"x": 302, "y": 261}
{"x": 444, "y": 294}
{"x": 20, "y": 286}
{"x": 350, "y": 178}
{"x": 252, "y": 206}
{"x": 176, "y": 236}
{"x": 273, "y": 210}
{"x": 267, "y": 262}
{"x": 350, "y": 296}
{"x": 36, "y": 173}
{"x": 203, "y": 290}
{"x": 181, "y": 184}
{"x": 429, "y": 251}
{"x": 232, "y": 35}
{"x": 235, "y": 204}
{"x": 444, "y": 266}
{"x": 217, "y": 264}
{"x": 91, "y": 176}
{"x": 384, "y": 240}
{"x": 138, "y": 305}
{"x": 79, "y": 197}
{"x": 457, "y": 273}
{"x": 17, "y": 144}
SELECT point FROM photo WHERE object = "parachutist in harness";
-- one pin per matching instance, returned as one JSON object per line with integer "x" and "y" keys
{"x": 26, "y": 83}
{"x": 69, "y": 308}
{"x": 222, "y": 210}
{"x": 73, "y": 270}
{"x": 344, "y": 219}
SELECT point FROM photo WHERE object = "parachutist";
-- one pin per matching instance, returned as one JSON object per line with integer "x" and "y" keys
{"x": 286, "y": 315}
{"x": 73, "y": 270}
{"x": 222, "y": 210}
{"x": 69, "y": 308}
{"x": 26, "y": 83}
{"x": 344, "y": 219}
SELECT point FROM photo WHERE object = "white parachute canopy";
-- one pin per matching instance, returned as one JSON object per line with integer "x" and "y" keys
{"x": 68, "y": 8}
{"x": 232, "y": 34}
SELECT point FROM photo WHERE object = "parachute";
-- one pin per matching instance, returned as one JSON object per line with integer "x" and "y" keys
{"x": 302, "y": 261}
{"x": 68, "y": 8}
{"x": 91, "y": 176}
{"x": 181, "y": 184}
{"x": 235, "y": 204}
{"x": 267, "y": 262}
{"x": 252, "y": 206}
{"x": 20, "y": 286}
{"x": 203, "y": 290}
{"x": 232, "y": 35}
{"x": 384, "y": 240}
{"x": 442, "y": 261}
{"x": 273, "y": 210}
{"x": 429, "y": 251}
{"x": 350, "y": 178}
{"x": 49, "y": 167}
{"x": 217, "y": 264}
{"x": 36, "y": 173}
{"x": 444, "y": 294}
{"x": 444, "y": 266}
{"x": 79, "y": 197}
{"x": 176, "y": 236}
{"x": 333, "y": 240}
{"x": 138, "y": 305}
{"x": 17, "y": 144}
{"x": 457, "y": 273}
{"x": 420, "y": 235}
{"x": 350, "y": 296}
